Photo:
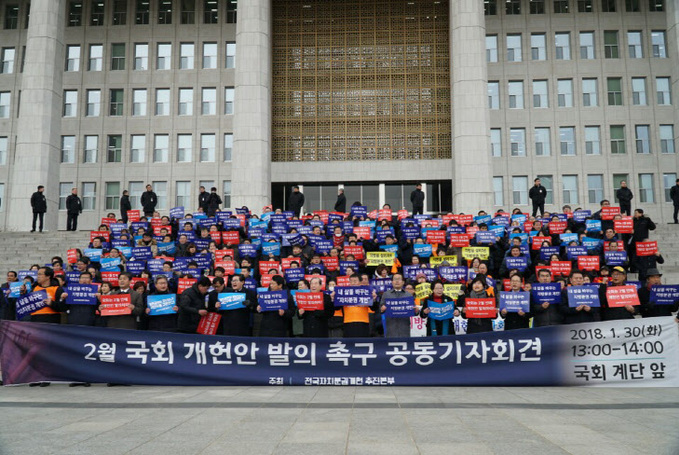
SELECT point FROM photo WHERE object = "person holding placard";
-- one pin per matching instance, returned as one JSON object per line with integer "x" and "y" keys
{"x": 127, "y": 321}
{"x": 585, "y": 312}
{"x": 440, "y": 309}
{"x": 516, "y": 318}
{"x": 544, "y": 309}
{"x": 477, "y": 290}
{"x": 192, "y": 306}
{"x": 656, "y": 301}
{"x": 609, "y": 312}
{"x": 81, "y": 314}
{"x": 315, "y": 322}
{"x": 45, "y": 282}
{"x": 162, "y": 322}
{"x": 276, "y": 323}
{"x": 236, "y": 322}
{"x": 396, "y": 327}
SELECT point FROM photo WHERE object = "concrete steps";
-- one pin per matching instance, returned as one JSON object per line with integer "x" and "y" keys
{"x": 19, "y": 250}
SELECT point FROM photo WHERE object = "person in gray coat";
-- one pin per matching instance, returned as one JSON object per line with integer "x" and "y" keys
{"x": 396, "y": 327}
{"x": 127, "y": 321}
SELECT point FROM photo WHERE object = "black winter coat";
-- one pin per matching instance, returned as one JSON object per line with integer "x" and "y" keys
{"x": 190, "y": 302}
{"x": 39, "y": 202}
{"x": 538, "y": 194}
{"x": 149, "y": 201}
{"x": 125, "y": 204}
{"x": 624, "y": 195}
{"x": 74, "y": 205}
{"x": 341, "y": 204}
{"x": 417, "y": 198}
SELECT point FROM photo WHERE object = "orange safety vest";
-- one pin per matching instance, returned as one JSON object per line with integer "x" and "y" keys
{"x": 51, "y": 292}
{"x": 356, "y": 314}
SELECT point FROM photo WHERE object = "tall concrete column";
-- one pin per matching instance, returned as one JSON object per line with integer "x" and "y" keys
{"x": 673, "y": 53}
{"x": 472, "y": 167}
{"x": 251, "y": 161}
{"x": 39, "y": 127}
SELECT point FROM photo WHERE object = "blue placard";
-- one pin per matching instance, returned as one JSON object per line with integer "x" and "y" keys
{"x": 455, "y": 230}
{"x": 117, "y": 228}
{"x": 21, "y": 274}
{"x": 546, "y": 293}
{"x": 208, "y": 223}
{"x": 501, "y": 221}
{"x": 277, "y": 218}
{"x": 136, "y": 225}
{"x": 334, "y": 217}
{"x": 499, "y": 231}
{"x": 381, "y": 284}
{"x": 30, "y": 303}
{"x": 403, "y": 307}
{"x": 271, "y": 248}
{"x": 323, "y": 246}
{"x": 573, "y": 252}
{"x": 583, "y": 295}
{"x": 568, "y": 238}
{"x": 389, "y": 248}
{"x": 294, "y": 239}
{"x": 82, "y": 294}
{"x": 177, "y": 213}
{"x": 161, "y": 304}
{"x": 359, "y": 211}
{"x": 203, "y": 260}
{"x": 136, "y": 267}
{"x": 485, "y": 237}
{"x": 441, "y": 311}
{"x": 72, "y": 277}
{"x": 453, "y": 274}
{"x": 353, "y": 296}
{"x": 410, "y": 233}
{"x": 243, "y": 211}
{"x": 614, "y": 258}
{"x": 547, "y": 251}
{"x": 142, "y": 253}
{"x": 256, "y": 232}
{"x": 664, "y": 294}
{"x": 273, "y": 300}
{"x": 231, "y": 301}
{"x": 222, "y": 216}
{"x": 382, "y": 234}
{"x": 120, "y": 244}
{"x": 521, "y": 235}
{"x": 590, "y": 243}
{"x": 247, "y": 250}
{"x": 483, "y": 219}
{"x": 15, "y": 288}
{"x": 199, "y": 216}
{"x": 514, "y": 302}
{"x": 294, "y": 275}
{"x": 93, "y": 253}
{"x": 110, "y": 264}
{"x": 520, "y": 218}
{"x": 231, "y": 224}
{"x": 593, "y": 225}
{"x": 579, "y": 216}
{"x": 167, "y": 248}
{"x": 343, "y": 265}
{"x": 422, "y": 250}
{"x": 519, "y": 263}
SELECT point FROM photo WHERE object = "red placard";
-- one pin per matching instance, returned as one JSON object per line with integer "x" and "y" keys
{"x": 430, "y": 223}
{"x": 362, "y": 232}
{"x": 231, "y": 237}
{"x": 209, "y": 323}
{"x": 241, "y": 218}
{"x": 221, "y": 254}
{"x": 322, "y": 277}
{"x": 618, "y": 296}
{"x": 459, "y": 240}
{"x": 105, "y": 234}
{"x": 402, "y": 214}
{"x": 527, "y": 226}
{"x": 330, "y": 263}
{"x": 136, "y": 280}
{"x": 111, "y": 277}
{"x": 542, "y": 267}
{"x": 286, "y": 262}
{"x": 156, "y": 222}
{"x": 372, "y": 215}
{"x": 480, "y": 308}
{"x": 588, "y": 262}
{"x": 265, "y": 279}
{"x": 115, "y": 305}
{"x": 133, "y": 215}
{"x": 354, "y": 250}
{"x": 608, "y": 213}
{"x": 323, "y": 214}
{"x": 228, "y": 266}
{"x": 185, "y": 283}
{"x": 537, "y": 241}
{"x": 342, "y": 281}
{"x": 157, "y": 230}
{"x": 471, "y": 231}
{"x": 464, "y": 220}
{"x": 647, "y": 248}
{"x": 216, "y": 237}
{"x": 557, "y": 227}
{"x": 436, "y": 237}
{"x": 384, "y": 214}
{"x": 562, "y": 268}
{"x": 72, "y": 256}
{"x": 506, "y": 285}
{"x": 309, "y": 301}
{"x": 624, "y": 226}
{"x": 265, "y": 266}
{"x": 108, "y": 221}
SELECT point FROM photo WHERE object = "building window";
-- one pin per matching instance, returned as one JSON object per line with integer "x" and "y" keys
{"x": 64, "y": 192}
{"x": 666, "y": 138}
{"x": 161, "y": 147}
{"x": 658, "y": 44}
{"x": 139, "y": 102}
{"x": 515, "y": 94}
{"x": 562, "y": 42}
{"x": 91, "y": 149}
{"x": 585, "y": 6}
{"x": 68, "y": 149}
{"x": 646, "y": 190}
{"x": 114, "y": 151}
{"x": 495, "y": 142}
{"x": 614, "y": 91}
{"x": 669, "y": 180}
{"x": 537, "y": 6}
{"x": 185, "y": 101}
{"x": 141, "y": 57}
{"x": 608, "y": 6}
{"x": 165, "y": 12}
{"x": 589, "y": 93}
{"x": 3, "y": 150}
{"x": 117, "y": 57}
{"x": 657, "y": 5}
{"x": 514, "y": 48}
{"x": 209, "y": 101}
{"x": 209, "y": 55}
{"x": 2, "y": 197}
{"x": 160, "y": 188}
{"x": 229, "y": 95}
{"x": 634, "y": 45}
{"x": 538, "y": 46}
{"x": 136, "y": 189}
{"x": 592, "y": 140}
{"x": 587, "y": 46}
{"x": 228, "y": 146}
{"x": 595, "y": 188}
{"x": 72, "y": 58}
{"x": 5, "y": 101}
{"x": 112, "y": 196}
{"x": 565, "y": 92}
{"x": 184, "y": 151}
{"x": 89, "y": 195}
{"x": 493, "y": 95}
{"x": 97, "y": 13}
{"x": 183, "y": 194}
{"x": 210, "y": 12}
{"x": 164, "y": 56}
{"x": 490, "y": 7}
{"x": 639, "y": 91}
{"x": 520, "y": 190}
{"x": 117, "y": 102}
{"x": 143, "y": 12}
{"x": 567, "y": 140}
{"x": 512, "y": 7}
{"x": 540, "y": 94}
{"x": 70, "y": 103}
{"x": 75, "y": 14}
{"x": 491, "y": 49}
{"x": 138, "y": 149}
{"x": 207, "y": 148}
{"x": 632, "y": 6}
{"x": 642, "y": 137}
{"x": 548, "y": 182}
{"x": 7, "y": 63}
{"x": 119, "y": 12}
{"x": 517, "y": 140}
{"x": 570, "y": 189}
{"x": 611, "y": 44}
{"x": 542, "y": 142}
{"x": 231, "y": 11}
{"x": 498, "y": 193}
{"x": 188, "y": 11}
{"x": 618, "y": 139}
{"x": 186, "y": 54}
{"x": 663, "y": 91}
{"x": 226, "y": 200}
{"x": 231, "y": 54}
{"x": 96, "y": 57}
{"x": 561, "y": 6}
{"x": 162, "y": 101}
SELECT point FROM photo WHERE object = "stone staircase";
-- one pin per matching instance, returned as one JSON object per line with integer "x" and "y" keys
{"x": 667, "y": 236}
{"x": 19, "y": 250}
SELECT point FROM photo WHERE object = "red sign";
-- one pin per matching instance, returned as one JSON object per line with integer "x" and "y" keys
{"x": 480, "y": 308}
{"x": 372, "y": 215}
{"x": 355, "y": 251}
{"x": 608, "y": 213}
{"x": 362, "y": 232}
{"x": 624, "y": 226}
{"x": 323, "y": 214}
{"x": 133, "y": 215}
{"x": 471, "y": 231}
{"x": 265, "y": 279}
{"x": 228, "y": 266}
{"x": 537, "y": 241}
{"x": 330, "y": 263}
{"x": 116, "y": 305}
{"x": 506, "y": 285}
{"x": 561, "y": 268}
{"x": 216, "y": 237}
{"x": 436, "y": 237}
{"x": 527, "y": 226}
{"x": 619, "y": 296}
{"x": 156, "y": 222}
{"x": 137, "y": 280}
{"x": 209, "y": 323}
{"x": 459, "y": 240}
{"x": 111, "y": 277}
{"x": 72, "y": 256}
{"x": 430, "y": 223}
{"x": 221, "y": 254}
{"x": 105, "y": 234}
{"x": 343, "y": 281}
{"x": 265, "y": 266}
{"x": 309, "y": 301}
{"x": 402, "y": 214}
{"x": 557, "y": 227}
{"x": 542, "y": 267}
{"x": 286, "y": 263}
{"x": 464, "y": 220}
{"x": 322, "y": 277}
{"x": 588, "y": 262}
{"x": 185, "y": 283}
{"x": 241, "y": 218}
{"x": 108, "y": 221}
{"x": 231, "y": 237}
{"x": 647, "y": 248}
{"x": 384, "y": 214}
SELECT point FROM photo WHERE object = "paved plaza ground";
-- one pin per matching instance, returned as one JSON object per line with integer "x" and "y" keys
{"x": 312, "y": 420}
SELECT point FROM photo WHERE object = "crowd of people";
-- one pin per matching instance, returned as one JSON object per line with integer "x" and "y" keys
{"x": 444, "y": 264}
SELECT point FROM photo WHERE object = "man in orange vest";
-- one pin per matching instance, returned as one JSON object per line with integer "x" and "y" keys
{"x": 357, "y": 318}
{"x": 46, "y": 282}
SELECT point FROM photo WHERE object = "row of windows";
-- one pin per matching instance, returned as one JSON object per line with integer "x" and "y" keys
{"x": 112, "y": 191}
{"x": 587, "y": 46}
{"x": 590, "y": 93}
{"x": 570, "y": 188}
{"x": 515, "y": 7}
{"x": 568, "y": 143}
{"x": 135, "y": 150}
